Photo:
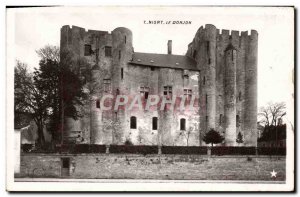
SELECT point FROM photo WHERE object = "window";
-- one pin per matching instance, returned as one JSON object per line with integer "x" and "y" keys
{"x": 144, "y": 92}
{"x": 206, "y": 99}
{"x": 132, "y": 122}
{"x": 168, "y": 92}
{"x": 65, "y": 162}
{"x": 232, "y": 55}
{"x": 182, "y": 124}
{"x": 209, "y": 60}
{"x": 221, "y": 119}
{"x": 154, "y": 123}
{"x": 152, "y": 68}
{"x": 125, "y": 39}
{"x": 122, "y": 73}
{"x": 194, "y": 54}
{"x": 119, "y": 54}
{"x": 107, "y": 51}
{"x": 240, "y": 96}
{"x": 238, "y": 120}
{"x": 204, "y": 80}
{"x": 106, "y": 85}
{"x": 207, "y": 46}
{"x": 97, "y": 103}
{"x": 87, "y": 50}
{"x": 187, "y": 93}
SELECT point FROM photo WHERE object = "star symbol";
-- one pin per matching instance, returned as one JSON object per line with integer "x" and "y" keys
{"x": 273, "y": 174}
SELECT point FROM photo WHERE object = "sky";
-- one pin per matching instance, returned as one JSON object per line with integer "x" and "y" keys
{"x": 34, "y": 28}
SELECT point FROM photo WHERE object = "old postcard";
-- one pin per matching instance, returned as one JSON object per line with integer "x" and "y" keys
{"x": 150, "y": 98}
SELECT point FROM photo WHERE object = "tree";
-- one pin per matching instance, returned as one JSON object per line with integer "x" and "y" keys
{"x": 213, "y": 137}
{"x": 271, "y": 117}
{"x": 30, "y": 98}
{"x": 49, "y": 52}
{"x": 186, "y": 134}
{"x": 52, "y": 91}
{"x": 272, "y": 113}
{"x": 239, "y": 138}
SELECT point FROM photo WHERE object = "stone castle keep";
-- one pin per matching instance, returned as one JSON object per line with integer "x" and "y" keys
{"x": 220, "y": 68}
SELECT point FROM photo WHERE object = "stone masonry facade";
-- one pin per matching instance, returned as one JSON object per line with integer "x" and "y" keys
{"x": 219, "y": 70}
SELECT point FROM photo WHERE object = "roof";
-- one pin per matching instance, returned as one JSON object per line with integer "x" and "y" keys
{"x": 164, "y": 61}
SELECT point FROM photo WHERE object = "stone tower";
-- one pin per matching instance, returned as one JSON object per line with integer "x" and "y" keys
{"x": 227, "y": 82}
{"x": 106, "y": 56}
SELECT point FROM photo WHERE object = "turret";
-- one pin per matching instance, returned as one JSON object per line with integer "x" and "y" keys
{"x": 251, "y": 91}
{"x": 230, "y": 95}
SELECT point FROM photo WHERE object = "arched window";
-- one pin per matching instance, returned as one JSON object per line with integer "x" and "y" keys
{"x": 154, "y": 123}
{"x": 98, "y": 103}
{"x": 132, "y": 122}
{"x": 182, "y": 124}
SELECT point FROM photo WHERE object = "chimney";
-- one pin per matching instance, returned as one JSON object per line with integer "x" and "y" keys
{"x": 169, "y": 47}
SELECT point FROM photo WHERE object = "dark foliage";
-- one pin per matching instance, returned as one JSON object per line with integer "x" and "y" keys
{"x": 271, "y": 151}
{"x": 232, "y": 150}
{"x": 213, "y": 137}
{"x": 128, "y": 142}
{"x": 272, "y": 133}
{"x": 198, "y": 150}
{"x": 239, "y": 138}
{"x": 123, "y": 149}
{"x": 133, "y": 149}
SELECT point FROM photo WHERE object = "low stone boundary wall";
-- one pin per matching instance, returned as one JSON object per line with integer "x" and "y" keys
{"x": 130, "y": 166}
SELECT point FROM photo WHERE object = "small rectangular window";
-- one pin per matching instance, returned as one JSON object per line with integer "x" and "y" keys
{"x": 152, "y": 68}
{"x": 107, "y": 51}
{"x": 194, "y": 54}
{"x": 154, "y": 123}
{"x": 122, "y": 73}
{"x": 97, "y": 103}
{"x": 133, "y": 122}
{"x": 187, "y": 93}
{"x": 144, "y": 91}
{"x": 65, "y": 162}
{"x": 106, "y": 85}
{"x": 238, "y": 120}
{"x": 221, "y": 119}
{"x": 209, "y": 61}
{"x": 87, "y": 50}
{"x": 168, "y": 92}
{"x": 182, "y": 124}
{"x": 207, "y": 46}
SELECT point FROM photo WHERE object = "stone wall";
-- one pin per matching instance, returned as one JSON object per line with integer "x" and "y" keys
{"x": 124, "y": 166}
